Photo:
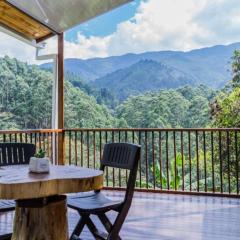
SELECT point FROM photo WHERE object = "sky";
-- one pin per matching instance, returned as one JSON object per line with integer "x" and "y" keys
{"x": 144, "y": 25}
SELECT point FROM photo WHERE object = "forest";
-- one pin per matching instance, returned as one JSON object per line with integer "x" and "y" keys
{"x": 25, "y": 102}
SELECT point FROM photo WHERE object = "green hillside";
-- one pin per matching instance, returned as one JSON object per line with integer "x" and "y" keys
{"x": 25, "y": 100}
{"x": 143, "y": 76}
{"x": 183, "y": 107}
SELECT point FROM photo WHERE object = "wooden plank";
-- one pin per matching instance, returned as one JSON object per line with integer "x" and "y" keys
{"x": 21, "y": 23}
{"x": 170, "y": 217}
{"x": 17, "y": 183}
{"x": 60, "y": 148}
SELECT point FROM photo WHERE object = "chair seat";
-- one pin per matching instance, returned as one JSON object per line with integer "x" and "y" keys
{"x": 94, "y": 203}
{"x": 6, "y": 236}
{"x": 7, "y": 205}
{"x": 80, "y": 194}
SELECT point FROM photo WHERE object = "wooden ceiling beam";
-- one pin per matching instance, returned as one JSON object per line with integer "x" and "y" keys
{"x": 20, "y": 22}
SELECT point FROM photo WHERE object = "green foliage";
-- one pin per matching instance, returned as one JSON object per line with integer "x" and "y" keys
{"x": 7, "y": 121}
{"x": 103, "y": 96}
{"x": 228, "y": 109}
{"x": 26, "y": 96}
{"x": 236, "y": 69}
{"x": 26, "y": 91}
{"x": 82, "y": 110}
{"x": 183, "y": 107}
{"x": 174, "y": 173}
{"x": 40, "y": 154}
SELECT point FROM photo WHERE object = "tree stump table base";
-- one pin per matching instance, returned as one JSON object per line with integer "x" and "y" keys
{"x": 41, "y": 219}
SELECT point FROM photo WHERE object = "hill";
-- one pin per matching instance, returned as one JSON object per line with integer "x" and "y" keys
{"x": 25, "y": 100}
{"x": 145, "y": 75}
{"x": 206, "y": 66}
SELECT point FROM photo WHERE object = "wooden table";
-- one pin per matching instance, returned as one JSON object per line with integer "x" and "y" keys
{"x": 41, "y": 211}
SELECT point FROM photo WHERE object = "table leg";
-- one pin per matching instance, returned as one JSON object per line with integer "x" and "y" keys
{"x": 41, "y": 219}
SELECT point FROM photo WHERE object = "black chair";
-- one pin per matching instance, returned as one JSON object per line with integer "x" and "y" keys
{"x": 116, "y": 155}
{"x": 13, "y": 154}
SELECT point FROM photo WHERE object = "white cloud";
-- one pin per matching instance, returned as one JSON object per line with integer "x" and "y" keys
{"x": 166, "y": 25}
{"x": 157, "y": 25}
{"x": 16, "y": 48}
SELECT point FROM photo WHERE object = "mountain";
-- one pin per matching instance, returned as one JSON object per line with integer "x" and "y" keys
{"x": 145, "y": 75}
{"x": 206, "y": 66}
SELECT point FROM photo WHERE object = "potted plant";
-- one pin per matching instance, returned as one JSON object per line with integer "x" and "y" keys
{"x": 39, "y": 163}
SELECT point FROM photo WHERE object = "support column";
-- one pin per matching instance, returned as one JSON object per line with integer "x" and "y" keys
{"x": 60, "y": 147}
{"x": 39, "y": 219}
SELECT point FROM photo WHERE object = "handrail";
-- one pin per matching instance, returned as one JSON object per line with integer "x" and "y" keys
{"x": 152, "y": 129}
{"x": 31, "y": 131}
{"x": 116, "y": 129}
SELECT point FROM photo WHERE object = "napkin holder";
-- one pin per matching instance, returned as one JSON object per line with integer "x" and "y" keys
{"x": 39, "y": 165}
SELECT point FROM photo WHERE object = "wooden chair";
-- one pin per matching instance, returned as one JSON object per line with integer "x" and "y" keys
{"x": 13, "y": 154}
{"x": 117, "y": 155}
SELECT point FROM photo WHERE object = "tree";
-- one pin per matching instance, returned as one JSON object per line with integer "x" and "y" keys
{"x": 226, "y": 112}
{"x": 236, "y": 69}
{"x": 225, "y": 109}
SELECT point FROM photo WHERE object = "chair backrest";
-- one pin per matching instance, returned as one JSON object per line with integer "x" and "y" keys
{"x": 16, "y": 153}
{"x": 124, "y": 156}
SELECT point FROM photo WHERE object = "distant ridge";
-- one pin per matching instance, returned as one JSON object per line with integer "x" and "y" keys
{"x": 208, "y": 66}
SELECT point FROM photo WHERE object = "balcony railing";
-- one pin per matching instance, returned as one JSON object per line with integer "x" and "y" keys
{"x": 195, "y": 161}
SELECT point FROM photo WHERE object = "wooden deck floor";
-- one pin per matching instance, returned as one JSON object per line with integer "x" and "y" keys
{"x": 170, "y": 217}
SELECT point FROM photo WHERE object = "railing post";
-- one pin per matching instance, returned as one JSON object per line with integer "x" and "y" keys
{"x": 60, "y": 74}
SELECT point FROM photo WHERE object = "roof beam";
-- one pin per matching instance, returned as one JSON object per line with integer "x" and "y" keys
{"x": 20, "y": 23}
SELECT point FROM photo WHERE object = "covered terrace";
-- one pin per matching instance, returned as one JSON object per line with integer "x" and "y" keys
{"x": 188, "y": 179}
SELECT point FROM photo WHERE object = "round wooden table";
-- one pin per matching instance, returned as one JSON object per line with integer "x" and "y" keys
{"x": 41, "y": 211}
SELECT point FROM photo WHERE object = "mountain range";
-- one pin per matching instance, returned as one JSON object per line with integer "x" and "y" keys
{"x": 145, "y": 75}
{"x": 130, "y": 74}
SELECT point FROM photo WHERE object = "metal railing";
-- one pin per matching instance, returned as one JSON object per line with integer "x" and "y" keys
{"x": 196, "y": 161}
{"x": 192, "y": 161}
{"x": 43, "y": 138}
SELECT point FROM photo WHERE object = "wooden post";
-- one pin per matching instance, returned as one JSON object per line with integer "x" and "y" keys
{"x": 48, "y": 221}
{"x": 60, "y": 146}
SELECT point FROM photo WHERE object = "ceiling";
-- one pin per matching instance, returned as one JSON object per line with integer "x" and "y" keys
{"x": 41, "y": 19}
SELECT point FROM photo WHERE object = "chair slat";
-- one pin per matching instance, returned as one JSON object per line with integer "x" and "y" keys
{"x": 15, "y": 155}
{"x": 4, "y": 155}
{"x": 9, "y": 155}
{"x": 20, "y": 155}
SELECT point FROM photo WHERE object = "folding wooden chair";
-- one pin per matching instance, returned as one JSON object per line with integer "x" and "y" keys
{"x": 13, "y": 154}
{"x": 116, "y": 155}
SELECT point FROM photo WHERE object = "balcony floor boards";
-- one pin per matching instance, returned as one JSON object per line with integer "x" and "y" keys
{"x": 170, "y": 217}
